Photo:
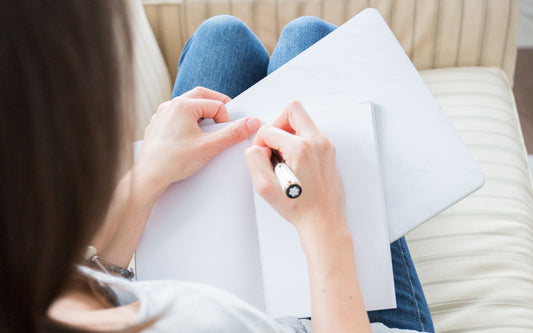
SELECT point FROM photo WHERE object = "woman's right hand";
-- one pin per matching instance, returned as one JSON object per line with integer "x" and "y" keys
{"x": 317, "y": 214}
{"x": 312, "y": 158}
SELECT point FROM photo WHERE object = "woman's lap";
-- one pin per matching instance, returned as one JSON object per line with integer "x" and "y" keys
{"x": 224, "y": 55}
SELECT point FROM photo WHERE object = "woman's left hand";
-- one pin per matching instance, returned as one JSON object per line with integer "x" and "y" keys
{"x": 175, "y": 147}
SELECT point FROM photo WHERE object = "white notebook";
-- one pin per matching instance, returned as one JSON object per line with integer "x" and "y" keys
{"x": 426, "y": 167}
{"x": 211, "y": 228}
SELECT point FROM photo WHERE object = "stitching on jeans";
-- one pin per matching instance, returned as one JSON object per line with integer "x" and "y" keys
{"x": 419, "y": 316}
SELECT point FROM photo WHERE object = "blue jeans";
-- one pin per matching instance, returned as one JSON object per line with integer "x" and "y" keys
{"x": 225, "y": 55}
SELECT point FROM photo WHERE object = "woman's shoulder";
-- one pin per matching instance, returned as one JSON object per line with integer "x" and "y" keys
{"x": 204, "y": 308}
{"x": 194, "y": 307}
{"x": 190, "y": 307}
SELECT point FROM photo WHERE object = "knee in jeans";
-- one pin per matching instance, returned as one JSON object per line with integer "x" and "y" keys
{"x": 304, "y": 23}
{"x": 231, "y": 25}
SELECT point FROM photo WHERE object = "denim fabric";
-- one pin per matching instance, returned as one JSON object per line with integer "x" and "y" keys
{"x": 296, "y": 37}
{"x": 224, "y": 55}
{"x": 412, "y": 311}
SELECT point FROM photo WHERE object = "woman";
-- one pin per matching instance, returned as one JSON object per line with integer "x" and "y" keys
{"x": 69, "y": 183}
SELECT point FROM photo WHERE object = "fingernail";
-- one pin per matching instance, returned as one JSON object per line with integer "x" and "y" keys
{"x": 253, "y": 124}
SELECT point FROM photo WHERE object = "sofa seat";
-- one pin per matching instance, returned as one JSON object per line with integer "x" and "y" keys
{"x": 475, "y": 259}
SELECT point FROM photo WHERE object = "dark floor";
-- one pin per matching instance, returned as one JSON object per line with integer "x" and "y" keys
{"x": 523, "y": 91}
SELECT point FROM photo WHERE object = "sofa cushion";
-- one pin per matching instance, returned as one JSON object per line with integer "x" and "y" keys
{"x": 475, "y": 260}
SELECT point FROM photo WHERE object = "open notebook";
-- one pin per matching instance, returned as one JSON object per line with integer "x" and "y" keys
{"x": 211, "y": 228}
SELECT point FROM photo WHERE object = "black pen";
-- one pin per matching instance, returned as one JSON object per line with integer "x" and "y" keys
{"x": 287, "y": 179}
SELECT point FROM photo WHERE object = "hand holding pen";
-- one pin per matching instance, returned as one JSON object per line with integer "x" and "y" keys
{"x": 310, "y": 156}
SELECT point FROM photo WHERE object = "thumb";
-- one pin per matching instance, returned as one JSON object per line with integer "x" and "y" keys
{"x": 233, "y": 133}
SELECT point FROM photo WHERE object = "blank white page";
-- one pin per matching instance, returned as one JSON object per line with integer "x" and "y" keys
{"x": 203, "y": 229}
{"x": 350, "y": 127}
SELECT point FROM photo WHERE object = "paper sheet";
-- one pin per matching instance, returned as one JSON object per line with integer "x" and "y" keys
{"x": 350, "y": 127}
{"x": 203, "y": 229}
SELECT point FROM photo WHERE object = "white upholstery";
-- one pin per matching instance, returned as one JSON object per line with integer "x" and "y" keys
{"x": 475, "y": 260}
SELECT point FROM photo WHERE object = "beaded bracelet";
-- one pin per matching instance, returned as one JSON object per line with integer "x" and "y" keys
{"x": 91, "y": 256}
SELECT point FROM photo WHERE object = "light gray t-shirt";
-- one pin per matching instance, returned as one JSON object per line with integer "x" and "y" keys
{"x": 192, "y": 307}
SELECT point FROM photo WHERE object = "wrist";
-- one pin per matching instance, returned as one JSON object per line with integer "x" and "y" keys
{"x": 324, "y": 232}
{"x": 146, "y": 181}
{"x": 126, "y": 217}
{"x": 137, "y": 193}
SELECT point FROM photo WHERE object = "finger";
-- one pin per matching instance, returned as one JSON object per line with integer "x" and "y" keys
{"x": 296, "y": 120}
{"x": 263, "y": 177}
{"x": 163, "y": 106}
{"x": 275, "y": 138}
{"x": 160, "y": 109}
{"x": 207, "y": 108}
{"x": 233, "y": 133}
{"x": 205, "y": 93}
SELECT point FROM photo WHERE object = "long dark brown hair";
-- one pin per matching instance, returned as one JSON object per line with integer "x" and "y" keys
{"x": 65, "y": 84}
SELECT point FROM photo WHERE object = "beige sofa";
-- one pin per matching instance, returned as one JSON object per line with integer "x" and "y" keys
{"x": 475, "y": 260}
